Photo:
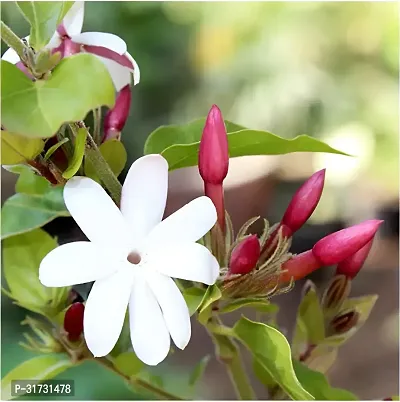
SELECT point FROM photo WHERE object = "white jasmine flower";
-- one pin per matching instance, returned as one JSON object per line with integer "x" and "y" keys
{"x": 109, "y": 48}
{"x": 132, "y": 256}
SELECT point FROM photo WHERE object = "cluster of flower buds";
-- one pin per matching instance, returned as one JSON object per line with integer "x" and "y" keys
{"x": 254, "y": 262}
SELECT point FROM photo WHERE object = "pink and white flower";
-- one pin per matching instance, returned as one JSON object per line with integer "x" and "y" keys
{"x": 109, "y": 48}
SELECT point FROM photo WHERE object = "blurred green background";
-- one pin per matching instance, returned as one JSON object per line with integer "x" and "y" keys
{"x": 327, "y": 69}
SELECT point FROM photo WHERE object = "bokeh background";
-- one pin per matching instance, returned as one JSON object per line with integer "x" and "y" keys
{"x": 325, "y": 69}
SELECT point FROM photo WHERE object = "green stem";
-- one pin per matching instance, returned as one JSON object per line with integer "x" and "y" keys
{"x": 228, "y": 353}
{"x": 13, "y": 41}
{"x": 102, "y": 168}
{"x": 159, "y": 392}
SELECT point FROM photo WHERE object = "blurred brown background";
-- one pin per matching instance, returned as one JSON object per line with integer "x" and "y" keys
{"x": 329, "y": 70}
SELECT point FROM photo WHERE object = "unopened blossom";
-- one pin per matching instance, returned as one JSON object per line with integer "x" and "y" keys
{"x": 109, "y": 48}
{"x": 132, "y": 255}
{"x": 351, "y": 266}
{"x": 115, "y": 119}
{"x": 73, "y": 321}
{"x": 214, "y": 160}
{"x": 340, "y": 245}
{"x": 330, "y": 250}
{"x": 300, "y": 208}
{"x": 245, "y": 256}
{"x": 304, "y": 202}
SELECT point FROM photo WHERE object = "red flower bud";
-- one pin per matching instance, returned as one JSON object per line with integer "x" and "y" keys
{"x": 299, "y": 266}
{"x": 340, "y": 245}
{"x": 352, "y": 265}
{"x": 245, "y": 255}
{"x": 214, "y": 160}
{"x": 213, "y": 152}
{"x": 115, "y": 119}
{"x": 73, "y": 321}
{"x": 304, "y": 202}
{"x": 344, "y": 322}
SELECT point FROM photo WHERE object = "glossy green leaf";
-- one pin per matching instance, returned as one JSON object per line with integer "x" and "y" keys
{"x": 180, "y": 144}
{"x": 272, "y": 351}
{"x": 128, "y": 363}
{"x": 40, "y": 368}
{"x": 212, "y": 294}
{"x": 124, "y": 342}
{"x": 79, "y": 151}
{"x": 21, "y": 259}
{"x": 262, "y": 305}
{"x": 16, "y": 149}
{"x": 310, "y": 325}
{"x": 114, "y": 153}
{"x": 165, "y": 136}
{"x": 193, "y": 298}
{"x": 317, "y": 384}
{"x": 68, "y": 95}
{"x": 24, "y": 212}
{"x": 198, "y": 371}
{"x": 43, "y": 16}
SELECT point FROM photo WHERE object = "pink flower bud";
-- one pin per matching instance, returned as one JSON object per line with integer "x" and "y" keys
{"x": 73, "y": 321}
{"x": 340, "y": 245}
{"x": 304, "y": 202}
{"x": 352, "y": 265}
{"x": 244, "y": 256}
{"x": 214, "y": 160}
{"x": 115, "y": 119}
{"x": 213, "y": 152}
{"x": 299, "y": 266}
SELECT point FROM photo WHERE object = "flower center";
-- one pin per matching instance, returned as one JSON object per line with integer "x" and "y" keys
{"x": 134, "y": 258}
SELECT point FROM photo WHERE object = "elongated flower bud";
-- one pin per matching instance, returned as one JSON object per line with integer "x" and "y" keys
{"x": 73, "y": 321}
{"x": 304, "y": 202}
{"x": 340, "y": 245}
{"x": 352, "y": 265}
{"x": 299, "y": 266}
{"x": 245, "y": 256}
{"x": 214, "y": 160}
{"x": 115, "y": 119}
{"x": 213, "y": 152}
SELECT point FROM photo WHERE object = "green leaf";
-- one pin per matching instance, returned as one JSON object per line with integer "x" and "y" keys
{"x": 40, "y": 368}
{"x": 180, "y": 144}
{"x": 38, "y": 109}
{"x": 165, "y": 136}
{"x": 310, "y": 325}
{"x": 114, "y": 153}
{"x": 43, "y": 16}
{"x": 16, "y": 149}
{"x": 316, "y": 384}
{"x": 212, "y": 294}
{"x": 198, "y": 371}
{"x": 29, "y": 182}
{"x": 128, "y": 363}
{"x": 263, "y": 375}
{"x": 24, "y": 212}
{"x": 193, "y": 298}
{"x": 22, "y": 256}
{"x": 79, "y": 151}
{"x": 272, "y": 351}
{"x": 258, "y": 304}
